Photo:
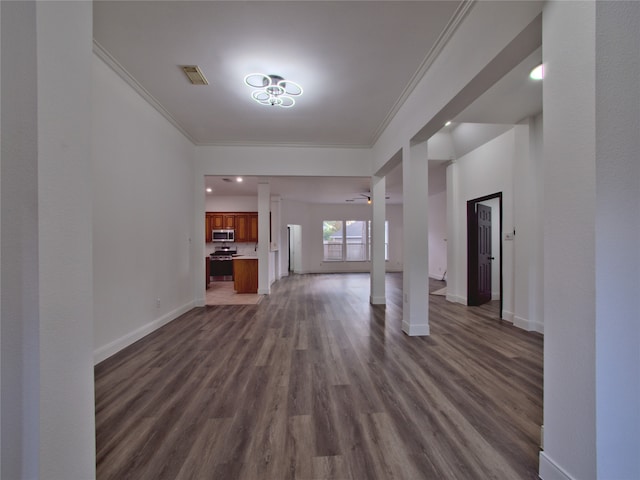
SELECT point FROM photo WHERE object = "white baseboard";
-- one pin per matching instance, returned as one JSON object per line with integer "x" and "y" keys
{"x": 104, "y": 352}
{"x": 377, "y": 300}
{"x": 528, "y": 325}
{"x": 456, "y": 299}
{"x": 415, "y": 330}
{"x": 264, "y": 291}
{"x": 507, "y": 316}
{"x": 495, "y": 295}
{"x": 550, "y": 470}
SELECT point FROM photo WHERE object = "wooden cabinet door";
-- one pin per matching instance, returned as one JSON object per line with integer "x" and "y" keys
{"x": 229, "y": 221}
{"x": 208, "y": 226}
{"x": 252, "y": 235}
{"x": 218, "y": 221}
{"x": 242, "y": 228}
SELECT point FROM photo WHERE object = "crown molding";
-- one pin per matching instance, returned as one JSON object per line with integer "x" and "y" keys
{"x": 282, "y": 145}
{"x": 459, "y": 15}
{"x": 122, "y": 72}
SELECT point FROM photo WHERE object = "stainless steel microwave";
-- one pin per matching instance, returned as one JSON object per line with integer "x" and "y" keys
{"x": 223, "y": 236}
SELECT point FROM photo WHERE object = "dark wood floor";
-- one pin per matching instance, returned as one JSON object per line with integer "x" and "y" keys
{"x": 315, "y": 383}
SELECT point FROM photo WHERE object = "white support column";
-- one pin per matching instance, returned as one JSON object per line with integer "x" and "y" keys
{"x": 264, "y": 204}
{"x": 415, "y": 278}
{"x": 378, "y": 269}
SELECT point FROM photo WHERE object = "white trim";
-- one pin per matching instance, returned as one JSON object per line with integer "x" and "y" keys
{"x": 415, "y": 330}
{"x": 528, "y": 325}
{"x": 507, "y": 316}
{"x": 106, "y": 57}
{"x": 495, "y": 295}
{"x": 377, "y": 300}
{"x": 104, "y": 352}
{"x": 456, "y": 299}
{"x": 463, "y": 9}
{"x": 264, "y": 291}
{"x": 550, "y": 470}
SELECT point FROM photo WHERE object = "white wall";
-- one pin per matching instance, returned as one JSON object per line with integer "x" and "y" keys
{"x": 19, "y": 330}
{"x": 618, "y": 238}
{"x": 592, "y": 229}
{"x": 47, "y": 369}
{"x": 569, "y": 242}
{"x": 437, "y": 219}
{"x": 231, "y": 203}
{"x": 143, "y": 215}
{"x": 485, "y": 171}
{"x": 310, "y": 217}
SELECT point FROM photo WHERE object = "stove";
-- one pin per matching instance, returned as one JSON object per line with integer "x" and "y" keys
{"x": 222, "y": 264}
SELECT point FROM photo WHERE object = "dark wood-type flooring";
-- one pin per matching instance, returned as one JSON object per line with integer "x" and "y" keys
{"x": 315, "y": 383}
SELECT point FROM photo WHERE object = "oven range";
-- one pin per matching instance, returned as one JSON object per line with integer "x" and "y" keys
{"x": 222, "y": 264}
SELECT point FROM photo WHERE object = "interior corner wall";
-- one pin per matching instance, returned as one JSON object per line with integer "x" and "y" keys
{"x": 485, "y": 171}
{"x": 143, "y": 215}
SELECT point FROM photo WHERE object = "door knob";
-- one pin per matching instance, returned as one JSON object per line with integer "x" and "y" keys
{"x": 492, "y": 258}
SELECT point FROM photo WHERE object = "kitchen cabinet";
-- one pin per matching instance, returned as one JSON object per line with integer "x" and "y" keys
{"x": 245, "y": 225}
{"x": 218, "y": 221}
{"x": 252, "y": 234}
{"x": 245, "y": 275}
{"x": 229, "y": 221}
{"x": 242, "y": 228}
{"x": 209, "y": 225}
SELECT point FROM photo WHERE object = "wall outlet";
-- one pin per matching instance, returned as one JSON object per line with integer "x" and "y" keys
{"x": 158, "y": 302}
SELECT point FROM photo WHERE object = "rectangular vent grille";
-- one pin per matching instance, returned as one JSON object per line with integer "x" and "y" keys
{"x": 194, "y": 74}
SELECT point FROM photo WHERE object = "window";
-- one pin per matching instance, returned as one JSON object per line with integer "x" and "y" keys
{"x": 350, "y": 240}
{"x": 332, "y": 239}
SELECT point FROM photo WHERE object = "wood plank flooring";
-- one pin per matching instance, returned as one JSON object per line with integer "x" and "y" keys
{"x": 315, "y": 383}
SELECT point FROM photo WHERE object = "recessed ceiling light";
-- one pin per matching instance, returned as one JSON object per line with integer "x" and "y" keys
{"x": 537, "y": 73}
{"x": 209, "y": 189}
{"x": 238, "y": 179}
{"x": 448, "y": 123}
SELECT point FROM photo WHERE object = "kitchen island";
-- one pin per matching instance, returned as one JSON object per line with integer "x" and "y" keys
{"x": 245, "y": 274}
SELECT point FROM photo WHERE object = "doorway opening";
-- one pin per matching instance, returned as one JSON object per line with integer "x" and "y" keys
{"x": 295, "y": 249}
{"x": 484, "y": 250}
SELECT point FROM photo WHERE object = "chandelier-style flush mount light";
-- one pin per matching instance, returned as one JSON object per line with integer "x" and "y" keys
{"x": 273, "y": 90}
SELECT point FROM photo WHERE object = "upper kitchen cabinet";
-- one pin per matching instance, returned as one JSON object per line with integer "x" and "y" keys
{"x": 242, "y": 228}
{"x": 245, "y": 225}
{"x": 218, "y": 221}
{"x": 209, "y": 225}
{"x": 253, "y": 228}
{"x": 229, "y": 221}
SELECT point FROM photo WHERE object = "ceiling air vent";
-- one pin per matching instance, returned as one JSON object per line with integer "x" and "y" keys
{"x": 194, "y": 74}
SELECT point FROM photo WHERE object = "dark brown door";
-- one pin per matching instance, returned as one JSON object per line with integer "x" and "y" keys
{"x": 483, "y": 222}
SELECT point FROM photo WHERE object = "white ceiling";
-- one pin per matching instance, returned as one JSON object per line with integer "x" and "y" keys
{"x": 356, "y": 60}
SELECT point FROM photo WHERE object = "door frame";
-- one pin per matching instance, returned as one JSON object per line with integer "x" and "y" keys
{"x": 472, "y": 252}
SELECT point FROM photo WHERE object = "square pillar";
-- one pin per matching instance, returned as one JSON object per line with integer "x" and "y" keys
{"x": 415, "y": 277}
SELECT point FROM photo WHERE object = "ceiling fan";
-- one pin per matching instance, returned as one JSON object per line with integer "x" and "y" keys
{"x": 364, "y": 197}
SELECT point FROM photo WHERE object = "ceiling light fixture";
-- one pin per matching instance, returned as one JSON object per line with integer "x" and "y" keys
{"x": 273, "y": 90}
{"x": 209, "y": 190}
{"x": 239, "y": 179}
{"x": 448, "y": 123}
{"x": 537, "y": 73}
